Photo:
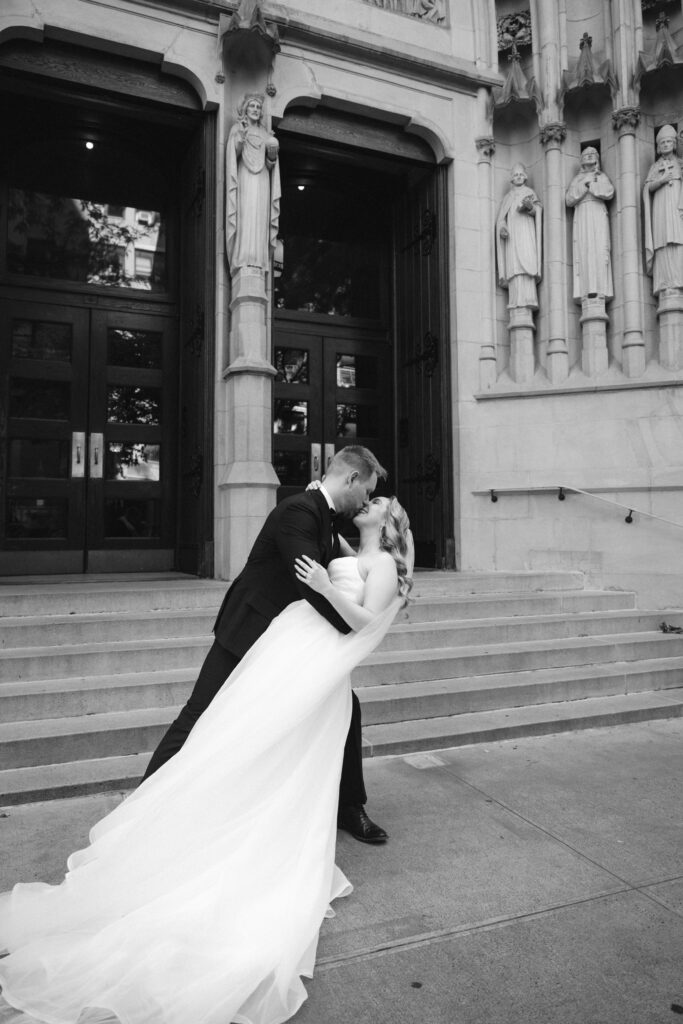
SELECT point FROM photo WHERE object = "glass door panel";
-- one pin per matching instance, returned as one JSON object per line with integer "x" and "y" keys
{"x": 297, "y": 410}
{"x": 357, "y": 394}
{"x": 44, "y": 371}
{"x": 133, "y": 403}
{"x": 331, "y": 389}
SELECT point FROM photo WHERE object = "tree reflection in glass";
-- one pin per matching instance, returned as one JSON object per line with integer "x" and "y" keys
{"x": 82, "y": 240}
{"x": 129, "y": 404}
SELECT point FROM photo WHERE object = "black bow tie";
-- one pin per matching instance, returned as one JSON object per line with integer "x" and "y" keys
{"x": 333, "y": 514}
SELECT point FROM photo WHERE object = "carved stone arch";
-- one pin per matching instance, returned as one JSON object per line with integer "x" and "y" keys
{"x": 396, "y": 119}
{"x": 43, "y": 40}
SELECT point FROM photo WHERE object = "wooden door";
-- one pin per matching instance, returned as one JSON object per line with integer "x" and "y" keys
{"x": 88, "y": 438}
{"x": 424, "y": 447}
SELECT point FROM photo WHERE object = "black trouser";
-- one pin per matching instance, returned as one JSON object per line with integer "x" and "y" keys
{"x": 217, "y": 666}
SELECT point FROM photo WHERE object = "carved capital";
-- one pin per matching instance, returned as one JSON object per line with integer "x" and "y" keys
{"x": 626, "y": 120}
{"x": 553, "y": 134}
{"x": 486, "y": 146}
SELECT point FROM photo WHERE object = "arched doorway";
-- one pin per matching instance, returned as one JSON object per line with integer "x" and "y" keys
{"x": 360, "y": 323}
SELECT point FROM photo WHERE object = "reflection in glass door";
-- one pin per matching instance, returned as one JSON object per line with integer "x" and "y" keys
{"x": 89, "y": 438}
{"x": 331, "y": 389}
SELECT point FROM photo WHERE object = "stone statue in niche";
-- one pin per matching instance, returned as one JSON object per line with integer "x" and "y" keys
{"x": 588, "y": 194}
{"x": 519, "y": 241}
{"x": 519, "y": 255}
{"x": 252, "y": 188}
{"x": 663, "y": 208}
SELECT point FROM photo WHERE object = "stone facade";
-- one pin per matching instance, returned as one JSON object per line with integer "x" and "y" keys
{"x": 598, "y": 72}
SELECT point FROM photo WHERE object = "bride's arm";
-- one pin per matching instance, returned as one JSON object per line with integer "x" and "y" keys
{"x": 381, "y": 586}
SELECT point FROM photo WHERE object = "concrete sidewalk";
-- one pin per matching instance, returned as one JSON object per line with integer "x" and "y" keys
{"x": 534, "y": 881}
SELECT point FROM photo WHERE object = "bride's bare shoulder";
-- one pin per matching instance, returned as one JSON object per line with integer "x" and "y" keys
{"x": 381, "y": 560}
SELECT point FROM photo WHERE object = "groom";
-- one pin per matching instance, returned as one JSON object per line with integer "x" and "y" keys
{"x": 303, "y": 524}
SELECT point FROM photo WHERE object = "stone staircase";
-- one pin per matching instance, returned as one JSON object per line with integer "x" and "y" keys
{"x": 92, "y": 673}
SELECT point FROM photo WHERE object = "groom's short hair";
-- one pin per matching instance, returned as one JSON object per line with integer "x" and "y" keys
{"x": 356, "y": 457}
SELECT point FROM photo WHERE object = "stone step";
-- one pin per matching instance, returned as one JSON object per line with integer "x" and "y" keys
{"x": 439, "y": 698}
{"x": 463, "y": 583}
{"x": 34, "y": 699}
{"x": 18, "y": 632}
{"x": 95, "y": 774}
{"x": 383, "y": 667}
{"x": 72, "y": 778}
{"x": 128, "y": 597}
{"x": 411, "y": 636}
{"x": 68, "y": 661}
{"x": 58, "y": 740}
{"x": 510, "y": 723}
{"x": 489, "y": 606}
{"x": 100, "y": 627}
{"x": 93, "y": 659}
{"x": 114, "y": 730}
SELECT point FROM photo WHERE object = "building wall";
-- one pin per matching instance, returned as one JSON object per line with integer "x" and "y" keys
{"x": 616, "y": 433}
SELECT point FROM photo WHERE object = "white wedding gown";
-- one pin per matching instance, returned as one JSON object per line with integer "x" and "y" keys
{"x": 200, "y": 897}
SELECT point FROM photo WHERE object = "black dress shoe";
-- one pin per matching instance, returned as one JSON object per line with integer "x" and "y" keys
{"x": 355, "y": 821}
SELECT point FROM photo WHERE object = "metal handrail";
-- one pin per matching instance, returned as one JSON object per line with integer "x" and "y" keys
{"x": 596, "y": 497}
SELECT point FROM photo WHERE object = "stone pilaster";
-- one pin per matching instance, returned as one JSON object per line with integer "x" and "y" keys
{"x": 486, "y": 147}
{"x": 552, "y": 137}
{"x": 625, "y": 122}
{"x": 521, "y": 331}
{"x": 247, "y": 492}
{"x": 594, "y": 320}
{"x": 670, "y": 316}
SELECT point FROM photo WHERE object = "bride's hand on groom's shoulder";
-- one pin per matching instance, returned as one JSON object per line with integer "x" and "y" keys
{"x": 312, "y": 574}
{"x": 314, "y": 485}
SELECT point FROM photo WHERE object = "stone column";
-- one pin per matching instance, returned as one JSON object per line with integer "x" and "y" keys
{"x": 625, "y": 122}
{"x": 552, "y": 137}
{"x": 247, "y": 492}
{"x": 486, "y": 147}
{"x": 594, "y": 320}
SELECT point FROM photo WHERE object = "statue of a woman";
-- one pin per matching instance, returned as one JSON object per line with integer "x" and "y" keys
{"x": 663, "y": 207}
{"x": 252, "y": 188}
{"x": 519, "y": 241}
{"x": 587, "y": 194}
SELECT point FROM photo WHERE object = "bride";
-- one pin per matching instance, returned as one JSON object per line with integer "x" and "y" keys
{"x": 200, "y": 897}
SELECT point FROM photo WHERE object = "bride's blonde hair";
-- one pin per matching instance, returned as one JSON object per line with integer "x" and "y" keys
{"x": 396, "y": 538}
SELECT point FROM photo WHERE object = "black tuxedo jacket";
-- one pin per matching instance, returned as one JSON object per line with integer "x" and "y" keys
{"x": 299, "y": 525}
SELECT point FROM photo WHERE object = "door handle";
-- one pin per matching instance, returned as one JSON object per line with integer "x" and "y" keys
{"x": 96, "y": 456}
{"x": 316, "y": 468}
{"x": 329, "y": 455}
{"x": 77, "y": 460}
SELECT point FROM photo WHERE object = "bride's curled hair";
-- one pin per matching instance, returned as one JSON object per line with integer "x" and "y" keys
{"x": 396, "y": 538}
